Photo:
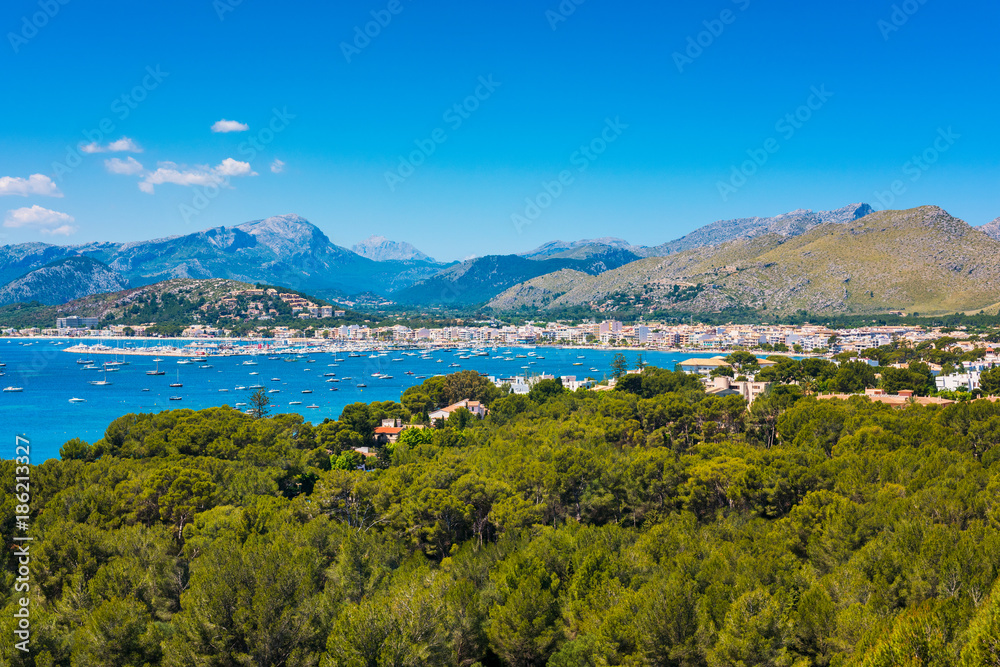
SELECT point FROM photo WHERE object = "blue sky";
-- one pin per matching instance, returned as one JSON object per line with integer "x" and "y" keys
{"x": 573, "y": 120}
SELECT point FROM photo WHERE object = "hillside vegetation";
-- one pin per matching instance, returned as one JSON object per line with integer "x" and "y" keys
{"x": 171, "y": 305}
{"x": 649, "y": 525}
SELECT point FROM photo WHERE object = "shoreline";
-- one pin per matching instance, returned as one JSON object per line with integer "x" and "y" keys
{"x": 242, "y": 347}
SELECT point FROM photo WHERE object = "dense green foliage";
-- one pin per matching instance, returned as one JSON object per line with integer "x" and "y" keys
{"x": 648, "y": 525}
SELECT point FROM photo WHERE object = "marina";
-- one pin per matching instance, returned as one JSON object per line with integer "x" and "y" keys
{"x": 52, "y": 368}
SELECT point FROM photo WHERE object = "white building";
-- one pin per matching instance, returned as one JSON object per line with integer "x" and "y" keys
{"x": 958, "y": 381}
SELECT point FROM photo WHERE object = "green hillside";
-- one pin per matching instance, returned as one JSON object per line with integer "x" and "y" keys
{"x": 170, "y": 304}
{"x": 651, "y": 525}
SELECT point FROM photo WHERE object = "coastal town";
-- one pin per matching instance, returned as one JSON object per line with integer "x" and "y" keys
{"x": 710, "y": 348}
{"x": 802, "y": 339}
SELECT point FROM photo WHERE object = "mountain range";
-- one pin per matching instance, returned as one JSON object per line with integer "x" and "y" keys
{"x": 63, "y": 280}
{"x": 819, "y": 261}
{"x": 282, "y": 250}
{"x": 920, "y": 260}
{"x": 992, "y": 229}
{"x": 381, "y": 249}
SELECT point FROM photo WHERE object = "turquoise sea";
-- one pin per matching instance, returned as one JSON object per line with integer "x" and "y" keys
{"x": 50, "y": 377}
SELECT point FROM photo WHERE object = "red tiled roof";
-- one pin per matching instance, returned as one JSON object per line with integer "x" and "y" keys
{"x": 388, "y": 430}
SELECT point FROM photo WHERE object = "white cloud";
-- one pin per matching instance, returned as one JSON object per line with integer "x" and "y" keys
{"x": 42, "y": 219}
{"x": 229, "y": 126}
{"x": 277, "y": 166}
{"x": 231, "y": 167}
{"x": 170, "y": 172}
{"x": 123, "y": 145}
{"x": 129, "y": 166}
{"x": 64, "y": 230}
{"x": 36, "y": 184}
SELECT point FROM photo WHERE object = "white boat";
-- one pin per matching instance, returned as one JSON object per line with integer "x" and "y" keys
{"x": 254, "y": 373}
{"x": 101, "y": 383}
{"x": 307, "y": 391}
{"x": 77, "y": 400}
{"x": 249, "y": 362}
{"x": 312, "y": 406}
{"x": 175, "y": 398}
{"x": 295, "y": 403}
{"x": 13, "y": 389}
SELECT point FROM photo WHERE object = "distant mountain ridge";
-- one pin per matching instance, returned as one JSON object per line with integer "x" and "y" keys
{"x": 283, "y": 250}
{"x": 478, "y": 280}
{"x": 381, "y": 249}
{"x": 992, "y": 229}
{"x": 63, "y": 280}
{"x": 703, "y": 270}
{"x": 787, "y": 224}
{"x": 580, "y": 249}
{"x": 921, "y": 260}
